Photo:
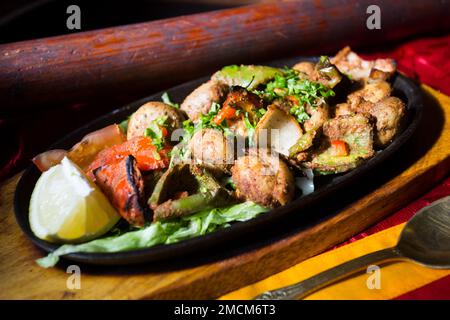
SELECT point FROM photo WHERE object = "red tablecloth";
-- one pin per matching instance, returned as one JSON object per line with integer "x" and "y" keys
{"x": 426, "y": 60}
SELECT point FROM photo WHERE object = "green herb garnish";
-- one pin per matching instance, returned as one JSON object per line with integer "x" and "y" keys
{"x": 155, "y": 132}
{"x": 305, "y": 92}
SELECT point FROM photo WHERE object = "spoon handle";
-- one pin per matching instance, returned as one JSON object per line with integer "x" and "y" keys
{"x": 306, "y": 287}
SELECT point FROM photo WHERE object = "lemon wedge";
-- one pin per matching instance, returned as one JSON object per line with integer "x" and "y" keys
{"x": 66, "y": 206}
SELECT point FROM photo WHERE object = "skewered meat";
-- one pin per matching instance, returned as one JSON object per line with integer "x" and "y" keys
{"x": 322, "y": 72}
{"x": 306, "y": 68}
{"x": 374, "y": 99}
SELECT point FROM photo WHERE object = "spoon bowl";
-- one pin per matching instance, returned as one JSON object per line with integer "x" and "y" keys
{"x": 425, "y": 240}
{"x": 426, "y": 237}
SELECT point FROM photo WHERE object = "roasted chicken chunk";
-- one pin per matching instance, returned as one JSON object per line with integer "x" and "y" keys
{"x": 374, "y": 99}
{"x": 153, "y": 111}
{"x": 388, "y": 114}
{"x": 210, "y": 148}
{"x": 263, "y": 178}
{"x": 356, "y": 68}
{"x": 200, "y": 100}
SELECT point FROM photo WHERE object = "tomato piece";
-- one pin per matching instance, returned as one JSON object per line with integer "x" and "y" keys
{"x": 164, "y": 131}
{"x": 123, "y": 184}
{"x": 226, "y": 113}
{"x": 84, "y": 152}
{"x": 141, "y": 148}
{"x": 340, "y": 148}
{"x": 293, "y": 100}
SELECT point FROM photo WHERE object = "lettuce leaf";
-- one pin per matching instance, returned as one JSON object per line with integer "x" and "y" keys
{"x": 162, "y": 232}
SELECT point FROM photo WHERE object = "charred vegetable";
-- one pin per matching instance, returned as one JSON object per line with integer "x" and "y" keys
{"x": 303, "y": 143}
{"x": 240, "y": 101}
{"x": 204, "y": 192}
{"x": 123, "y": 184}
{"x": 348, "y": 141}
{"x": 141, "y": 148}
{"x": 240, "y": 111}
{"x": 249, "y": 77}
{"x": 326, "y": 73}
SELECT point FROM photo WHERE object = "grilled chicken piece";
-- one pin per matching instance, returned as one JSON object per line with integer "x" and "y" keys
{"x": 343, "y": 109}
{"x": 263, "y": 178}
{"x": 306, "y": 68}
{"x": 349, "y": 63}
{"x": 211, "y": 149}
{"x": 372, "y": 92}
{"x": 123, "y": 185}
{"x": 149, "y": 112}
{"x": 200, "y": 100}
{"x": 388, "y": 113}
{"x": 374, "y": 99}
{"x": 354, "y": 133}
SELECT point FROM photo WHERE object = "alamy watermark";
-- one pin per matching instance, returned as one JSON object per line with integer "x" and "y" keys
{"x": 73, "y": 22}
{"x": 374, "y": 280}
{"x": 373, "y": 22}
{"x": 74, "y": 280}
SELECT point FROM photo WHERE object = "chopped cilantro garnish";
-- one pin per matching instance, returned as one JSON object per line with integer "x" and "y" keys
{"x": 155, "y": 132}
{"x": 250, "y": 128}
{"x": 304, "y": 91}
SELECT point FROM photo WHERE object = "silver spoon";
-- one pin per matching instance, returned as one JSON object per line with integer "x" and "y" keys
{"x": 425, "y": 240}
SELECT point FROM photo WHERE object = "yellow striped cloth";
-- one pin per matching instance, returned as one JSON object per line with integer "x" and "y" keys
{"x": 395, "y": 279}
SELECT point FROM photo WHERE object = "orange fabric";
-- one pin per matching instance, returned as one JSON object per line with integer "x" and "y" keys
{"x": 395, "y": 279}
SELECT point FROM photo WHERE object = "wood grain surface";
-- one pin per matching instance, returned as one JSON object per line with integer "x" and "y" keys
{"x": 120, "y": 64}
{"x": 420, "y": 165}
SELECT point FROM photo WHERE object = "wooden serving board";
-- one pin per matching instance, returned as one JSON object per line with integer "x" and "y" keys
{"x": 417, "y": 167}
